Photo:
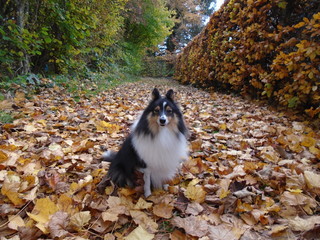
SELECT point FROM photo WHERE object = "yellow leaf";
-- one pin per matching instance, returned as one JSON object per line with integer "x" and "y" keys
{"x": 314, "y": 151}
{"x": 223, "y": 126}
{"x": 312, "y": 179}
{"x": 80, "y": 219}
{"x": 127, "y": 191}
{"x": 308, "y": 142}
{"x": 3, "y": 156}
{"x": 10, "y": 188}
{"x": 243, "y": 207}
{"x": 316, "y": 16}
{"x": 103, "y": 126}
{"x": 43, "y": 122}
{"x": 195, "y": 193}
{"x": 43, "y": 209}
{"x": 223, "y": 193}
{"x": 139, "y": 233}
{"x": 142, "y": 204}
{"x": 299, "y": 25}
{"x": 295, "y": 190}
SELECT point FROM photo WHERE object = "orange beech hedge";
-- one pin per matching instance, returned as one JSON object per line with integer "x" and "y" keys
{"x": 259, "y": 48}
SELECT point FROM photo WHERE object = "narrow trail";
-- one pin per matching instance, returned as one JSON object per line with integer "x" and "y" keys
{"x": 253, "y": 173}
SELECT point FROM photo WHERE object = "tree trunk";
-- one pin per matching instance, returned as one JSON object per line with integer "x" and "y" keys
{"x": 22, "y": 15}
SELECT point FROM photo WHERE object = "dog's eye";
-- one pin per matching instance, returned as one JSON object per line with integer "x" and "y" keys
{"x": 169, "y": 111}
{"x": 156, "y": 111}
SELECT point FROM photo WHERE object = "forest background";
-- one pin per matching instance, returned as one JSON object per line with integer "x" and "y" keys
{"x": 96, "y": 41}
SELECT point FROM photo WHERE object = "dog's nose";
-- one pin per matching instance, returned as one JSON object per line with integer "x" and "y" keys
{"x": 162, "y": 120}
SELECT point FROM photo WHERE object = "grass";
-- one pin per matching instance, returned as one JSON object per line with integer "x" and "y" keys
{"x": 5, "y": 117}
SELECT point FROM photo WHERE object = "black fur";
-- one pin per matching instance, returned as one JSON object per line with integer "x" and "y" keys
{"x": 123, "y": 164}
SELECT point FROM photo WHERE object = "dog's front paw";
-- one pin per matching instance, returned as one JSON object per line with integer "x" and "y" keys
{"x": 147, "y": 193}
{"x": 165, "y": 187}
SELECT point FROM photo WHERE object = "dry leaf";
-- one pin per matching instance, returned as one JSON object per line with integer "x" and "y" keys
{"x": 312, "y": 179}
{"x": 58, "y": 224}
{"x": 195, "y": 192}
{"x": 139, "y": 233}
{"x": 140, "y": 218}
{"x": 80, "y": 219}
{"x": 192, "y": 225}
{"x": 15, "y": 222}
{"x": 163, "y": 210}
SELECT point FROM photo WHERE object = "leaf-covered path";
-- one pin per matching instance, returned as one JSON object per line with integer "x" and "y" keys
{"x": 253, "y": 173}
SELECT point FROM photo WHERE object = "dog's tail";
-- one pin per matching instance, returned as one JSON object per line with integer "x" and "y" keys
{"x": 118, "y": 173}
{"x": 108, "y": 156}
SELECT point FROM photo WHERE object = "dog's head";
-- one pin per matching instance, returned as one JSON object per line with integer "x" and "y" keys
{"x": 163, "y": 111}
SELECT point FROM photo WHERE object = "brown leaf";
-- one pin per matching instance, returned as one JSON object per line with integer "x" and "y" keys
{"x": 142, "y": 219}
{"x": 194, "y": 226}
{"x": 303, "y": 224}
{"x": 58, "y": 224}
{"x": 163, "y": 210}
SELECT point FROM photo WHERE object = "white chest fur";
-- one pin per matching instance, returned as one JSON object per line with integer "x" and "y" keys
{"x": 162, "y": 154}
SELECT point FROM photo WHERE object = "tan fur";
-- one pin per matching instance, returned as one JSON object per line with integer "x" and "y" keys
{"x": 153, "y": 125}
{"x": 173, "y": 124}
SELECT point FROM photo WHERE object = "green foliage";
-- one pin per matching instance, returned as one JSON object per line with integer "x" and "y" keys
{"x": 161, "y": 66}
{"x": 154, "y": 26}
{"x": 5, "y": 117}
{"x": 79, "y": 38}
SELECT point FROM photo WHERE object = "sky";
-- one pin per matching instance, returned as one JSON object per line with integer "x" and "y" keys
{"x": 216, "y": 8}
{"x": 218, "y": 5}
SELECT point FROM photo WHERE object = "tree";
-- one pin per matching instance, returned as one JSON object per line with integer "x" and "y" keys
{"x": 190, "y": 18}
{"x": 76, "y": 36}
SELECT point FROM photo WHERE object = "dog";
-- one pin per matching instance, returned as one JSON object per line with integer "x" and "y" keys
{"x": 156, "y": 146}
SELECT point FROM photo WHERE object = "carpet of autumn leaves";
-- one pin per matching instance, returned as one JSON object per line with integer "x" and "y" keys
{"x": 253, "y": 172}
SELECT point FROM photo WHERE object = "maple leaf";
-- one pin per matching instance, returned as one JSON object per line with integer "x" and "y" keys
{"x": 42, "y": 212}
{"x": 195, "y": 192}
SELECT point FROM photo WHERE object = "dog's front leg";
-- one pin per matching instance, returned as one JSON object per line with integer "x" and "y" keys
{"x": 147, "y": 182}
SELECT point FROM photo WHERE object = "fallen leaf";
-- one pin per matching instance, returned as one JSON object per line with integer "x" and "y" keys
{"x": 195, "y": 192}
{"x": 194, "y": 226}
{"x": 80, "y": 219}
{"x": 303, "y": 224}
{"x": 163, "y": 210}
{"x": 58, "y": 224}
{"x": 15, "y": 222}
{"x": 139, "y": 233}
{"x": 312, "y": 179}
{"x": 140, "y": 218}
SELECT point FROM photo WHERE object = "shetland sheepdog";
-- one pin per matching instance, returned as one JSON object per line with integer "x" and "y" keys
{"x": 156, "y": 146}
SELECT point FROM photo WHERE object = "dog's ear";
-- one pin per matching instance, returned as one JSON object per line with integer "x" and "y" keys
{"x": 170, "y": 95}
{"x": 155, "y": 94}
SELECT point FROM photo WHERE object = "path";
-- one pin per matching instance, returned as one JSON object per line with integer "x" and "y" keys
{"x": 253, "y": 173}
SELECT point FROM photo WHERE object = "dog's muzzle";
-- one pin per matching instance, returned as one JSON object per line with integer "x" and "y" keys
{"x": 163, "y": 121}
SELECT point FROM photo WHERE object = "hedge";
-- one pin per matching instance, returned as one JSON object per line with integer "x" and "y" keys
{"x": 259, "y": 48}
